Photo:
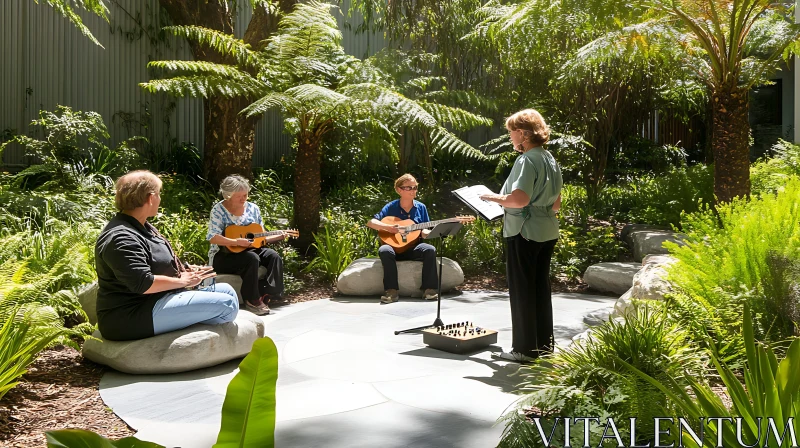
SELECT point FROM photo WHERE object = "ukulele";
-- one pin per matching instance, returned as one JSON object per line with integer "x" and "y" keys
{"x": 255, "y": 233}
{"x": 410, "y": 231}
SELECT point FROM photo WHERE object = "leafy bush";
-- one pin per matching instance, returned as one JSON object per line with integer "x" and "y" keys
{"x": 660, "y": 199}
{"x": 73, "y": 147}
{"x": 735, "y": 256}
{"x": 772, "y": 389}
{"x": 273, "y": 202}
{"x": 589, "y": 377}
{"x": 579, "y": 247}
{"x": 770, "y": 174}
{"x": 478, "y": 248}
{"x": 187, "y": 237}
{"x": 24, "y": 332}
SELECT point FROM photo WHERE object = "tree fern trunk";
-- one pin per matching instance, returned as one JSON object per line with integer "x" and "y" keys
{"x": 730, "y": 143}
{"x": 307, "y": 181}
{"x": 229, "y": 138}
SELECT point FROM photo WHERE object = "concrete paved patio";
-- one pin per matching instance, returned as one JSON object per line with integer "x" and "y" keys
{"x": 345, "y": 379}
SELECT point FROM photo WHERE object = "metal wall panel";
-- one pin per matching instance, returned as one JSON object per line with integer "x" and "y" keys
{"x": 47, "y": 62}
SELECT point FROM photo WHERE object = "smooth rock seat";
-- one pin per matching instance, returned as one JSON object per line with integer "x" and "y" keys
{"x": 190, "y": 348}
{"x": 614, "y": 276}
{"x": 364, "y": 277}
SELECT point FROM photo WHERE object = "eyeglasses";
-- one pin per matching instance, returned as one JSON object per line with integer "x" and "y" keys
{"x": 407, "y": 188}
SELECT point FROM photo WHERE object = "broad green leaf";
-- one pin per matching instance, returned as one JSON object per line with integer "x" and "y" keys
{"x": 79, "y": 438}
{"x": 248, "y": 413}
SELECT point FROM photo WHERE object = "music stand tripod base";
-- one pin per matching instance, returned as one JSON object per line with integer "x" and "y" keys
{"x": 440, "y": 231}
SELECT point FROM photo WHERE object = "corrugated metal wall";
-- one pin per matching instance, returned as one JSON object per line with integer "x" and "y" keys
{"x": 48, "y": 62}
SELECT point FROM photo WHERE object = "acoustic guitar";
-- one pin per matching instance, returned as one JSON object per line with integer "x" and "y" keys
{"x": 410, "y": 231}
{"x": 255, "y": 233}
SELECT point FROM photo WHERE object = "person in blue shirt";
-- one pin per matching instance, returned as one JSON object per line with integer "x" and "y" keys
{"x": 406, "y": 208}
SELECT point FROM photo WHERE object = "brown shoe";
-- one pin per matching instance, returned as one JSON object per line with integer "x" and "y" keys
{"x": 258, "y": 308}
{"x": 430, "y": 294}
{"x": 390, "y": 296}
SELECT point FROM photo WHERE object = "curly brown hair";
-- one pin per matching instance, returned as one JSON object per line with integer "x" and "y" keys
{"x": 531, "y": 122}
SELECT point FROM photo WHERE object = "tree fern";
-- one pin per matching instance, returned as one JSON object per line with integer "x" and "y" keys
{"x": 223, "y": 43}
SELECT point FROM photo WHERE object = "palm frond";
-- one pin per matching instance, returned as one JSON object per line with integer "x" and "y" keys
{"x": 223, "y": 43}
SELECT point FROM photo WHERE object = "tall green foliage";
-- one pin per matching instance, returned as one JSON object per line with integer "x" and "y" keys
{"x": 589, "y": 378}
{"x": 730, "y": 261}
{"x": 771, "y": 390}
{"x": 24, "y": 332}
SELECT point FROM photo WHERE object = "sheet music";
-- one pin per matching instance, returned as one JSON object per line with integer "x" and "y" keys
{"x": 470, "y": 195}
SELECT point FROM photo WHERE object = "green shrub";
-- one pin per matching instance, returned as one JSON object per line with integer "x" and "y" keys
{"x": 659, "y": 199}
{"x": 24, "y": 332}
{"x": 186, "y": 235}
{"x": 274, "y": 204}
{"x": 579, "y": 247}
{"x": 739, "y": 255}
{"x": 771, "y": 390}
{"x": 768, "y": 175}
{"x": 588, "y": 378}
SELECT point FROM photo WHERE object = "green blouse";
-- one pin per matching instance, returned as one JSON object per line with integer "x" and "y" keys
{"x": 537, "y": 174}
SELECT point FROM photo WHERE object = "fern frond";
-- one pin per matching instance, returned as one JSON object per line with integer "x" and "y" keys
{"x": 391, "y": 106}
{"x": 205, "y": 86}
{"x": 458, "y": 119}
{"x": 272, "y": 100}
{"x": 96, "y": 7}
{"x": 444, "y": 140}
{"x": 199, "y": 67}
{"x": 309, "y": 31}
{"x": 460, "y": 98}
{"x": 224, "y": 44}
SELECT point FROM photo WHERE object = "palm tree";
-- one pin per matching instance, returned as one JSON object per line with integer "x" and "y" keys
{"x": 733, "y": 46}
{"x": 303, "y": 72}
{"x": 727, "y": 47}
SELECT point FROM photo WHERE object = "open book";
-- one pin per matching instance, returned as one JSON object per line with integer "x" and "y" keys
{"x": 485, "y": 209}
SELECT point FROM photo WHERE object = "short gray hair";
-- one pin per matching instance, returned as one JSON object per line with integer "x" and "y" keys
{"x": 233, "y": 184}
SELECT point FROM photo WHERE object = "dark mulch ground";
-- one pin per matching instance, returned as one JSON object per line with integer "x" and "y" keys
{"x": 60, "y": 389}
{"x": 58, "y": 392}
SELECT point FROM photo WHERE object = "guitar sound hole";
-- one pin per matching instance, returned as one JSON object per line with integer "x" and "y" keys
{"x": 250, "y": 236}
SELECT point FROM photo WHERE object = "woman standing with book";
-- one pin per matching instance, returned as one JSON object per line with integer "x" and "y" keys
{"x": 530, "y": 198}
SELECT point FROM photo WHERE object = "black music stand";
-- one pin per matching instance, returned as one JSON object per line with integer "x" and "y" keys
{"x": 440, "y": 231}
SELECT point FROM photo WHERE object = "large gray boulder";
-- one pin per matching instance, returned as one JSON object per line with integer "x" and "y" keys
{"x": 623, "y": 304}
{"x": 626, "y": 234}
{"x": 646, "y": 242}
{"x": 650, "y": 282}
{"x": 364, "y": 277}
{"x": 236, "y": 281}
{"x": 614, "y": 277}
{"x": 87, "y": 296}
{"x": 191, "y": 348}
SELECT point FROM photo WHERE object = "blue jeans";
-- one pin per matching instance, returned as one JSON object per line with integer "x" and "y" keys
{"x": 213, "y": 305}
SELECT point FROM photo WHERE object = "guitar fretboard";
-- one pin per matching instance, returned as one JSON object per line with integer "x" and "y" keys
{"x": 270, "y": 233}
{"x": 430, "y": 224}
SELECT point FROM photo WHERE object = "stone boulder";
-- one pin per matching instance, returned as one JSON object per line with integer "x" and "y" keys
{"x": 646, "y": 242}
{"x": 614, "y": 277}
{"x": 87, "y": 296}
{"x": 236, "y": 281}
{"x": 596, "y": 318}
{"x": 626, "y": 234}
{"x": 191, "y": 348}
{"x": 623, "y": 304}
{"x": 650, "y": 282}
{"x": 364, "y": 277}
